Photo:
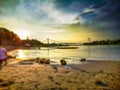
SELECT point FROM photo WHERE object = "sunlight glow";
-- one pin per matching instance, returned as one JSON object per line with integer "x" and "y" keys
{"x": 20, "y": 54}
{"x": 23, "y": 34}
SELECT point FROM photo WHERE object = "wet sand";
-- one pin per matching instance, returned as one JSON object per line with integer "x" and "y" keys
{"x": 94, "y": 75}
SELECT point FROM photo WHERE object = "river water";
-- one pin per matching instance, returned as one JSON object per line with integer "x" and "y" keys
{"x": 100, "y": 52}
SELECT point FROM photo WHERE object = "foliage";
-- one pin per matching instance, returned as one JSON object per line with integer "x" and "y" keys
{"x": 33, "y": 42}
{"x": 104, "y": 42}
{"x": 8, "y": 37}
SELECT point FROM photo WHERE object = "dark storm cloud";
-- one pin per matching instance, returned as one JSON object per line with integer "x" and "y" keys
{"x": 108, "y": 11}
{"x": 75, "y": 5}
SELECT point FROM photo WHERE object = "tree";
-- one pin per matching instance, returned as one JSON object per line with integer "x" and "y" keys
{"x": 8, "y": 37}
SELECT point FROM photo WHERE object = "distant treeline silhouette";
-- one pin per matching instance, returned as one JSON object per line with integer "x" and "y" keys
{"x": 8, "y": 37}
{"x": 104, "y": 42}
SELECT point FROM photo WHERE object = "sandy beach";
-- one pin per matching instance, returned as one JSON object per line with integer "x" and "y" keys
{"x": 93, "y": 75}
{"x": 59, "y": 44}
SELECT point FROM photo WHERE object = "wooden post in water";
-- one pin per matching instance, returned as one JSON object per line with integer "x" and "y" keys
{"x": 89, "y": 47}
{"x": 48, "y": 41}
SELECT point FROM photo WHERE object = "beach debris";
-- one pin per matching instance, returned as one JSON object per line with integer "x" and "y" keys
{"x": 54, "y": 67}
{"x": 24, "y": 62}
{"x": 6, "y": 83}
{"x": 100, "y": 83}
{"x": 101, "y": 71}
{"x": 63, "y": 62}
{"x": 83, "y": 59}
{"x": 47, "y": 61}
{"x": 51, "y": 78}
{"x": 37, "y": 60}
{"x": 82, "y": 70}
{"x": 43, "y": 60}
{"x": 11, "y": 57}
{"x": 1, "y": 80}
{"x": 40, "y": 60}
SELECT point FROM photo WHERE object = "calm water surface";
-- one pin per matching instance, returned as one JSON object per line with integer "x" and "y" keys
{"x": 106, "y": 52}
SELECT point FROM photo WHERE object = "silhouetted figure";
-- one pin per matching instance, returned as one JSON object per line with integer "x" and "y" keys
{"x": 3, "y": 56}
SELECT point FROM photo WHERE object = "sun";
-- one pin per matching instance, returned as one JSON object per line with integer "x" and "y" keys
{"x": 23, "y": 34}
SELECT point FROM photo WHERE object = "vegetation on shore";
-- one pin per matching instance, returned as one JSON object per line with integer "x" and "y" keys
{"x": 9, "y": 38}
{"x": 104, "y": 42}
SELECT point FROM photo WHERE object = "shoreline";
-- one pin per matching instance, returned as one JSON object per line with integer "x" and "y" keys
{"x": 95, "y": 75}
{"x": 11, "y": 48}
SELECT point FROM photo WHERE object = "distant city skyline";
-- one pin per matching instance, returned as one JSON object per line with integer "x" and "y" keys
{"x": 62, "y": 20}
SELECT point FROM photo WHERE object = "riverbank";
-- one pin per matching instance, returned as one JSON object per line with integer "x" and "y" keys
{"x": 94, "y": 75}
{"x": 11, "y": 48}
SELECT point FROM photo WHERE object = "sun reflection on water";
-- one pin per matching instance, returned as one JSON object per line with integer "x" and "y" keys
{"x": 20, "y": 54}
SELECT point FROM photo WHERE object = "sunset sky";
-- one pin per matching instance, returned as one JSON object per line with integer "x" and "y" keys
{"x": 62, "y": 20}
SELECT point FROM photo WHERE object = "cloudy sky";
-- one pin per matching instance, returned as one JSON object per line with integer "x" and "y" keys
{"x": 62, "y": 20}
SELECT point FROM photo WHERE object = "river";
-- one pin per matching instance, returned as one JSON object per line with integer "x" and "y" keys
{"x": 99, "y": 52}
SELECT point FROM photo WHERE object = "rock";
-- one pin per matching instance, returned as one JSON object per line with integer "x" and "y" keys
{"x": 83, "y": 70}
{"x": 63, "y": 62}
{"x": 26, "y": 62}
{"x": 42, "y": 60}
{"x": 6, "y": 83}
{"x": 37, "y": 60}
{"x": 1, "y": 80}
{"x": 100, "y": 83}
{"x": 51, "y": 78}
{"x": 83, "y": 59}
{"x": 47, "y": 61}
{"x": 11, "y": 82}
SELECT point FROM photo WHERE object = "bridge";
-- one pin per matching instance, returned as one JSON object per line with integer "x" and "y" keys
{"x": 58, "y": 43}
{"x": 53, "y": 42}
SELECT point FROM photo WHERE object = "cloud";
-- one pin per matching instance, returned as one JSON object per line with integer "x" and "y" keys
{"x": 43, "y": 12}
{"x": 87, "y": 11}
{"x": 57, "y": 16}
{"x": 97, "y": 6}
{"x": 2, "y": 10}
{"x": 43, "y": 17}
{"x": 76, "y": 6}
{"x": 102, "y": 15}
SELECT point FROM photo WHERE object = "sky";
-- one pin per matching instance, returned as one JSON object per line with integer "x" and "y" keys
{"x": 62, "y": 20}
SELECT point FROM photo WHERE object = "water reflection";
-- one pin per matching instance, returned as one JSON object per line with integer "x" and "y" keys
{"x": 89, "y": 52}
{"x": 20, "y": 54}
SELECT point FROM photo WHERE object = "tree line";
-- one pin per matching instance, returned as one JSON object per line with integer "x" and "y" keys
{"x": 9, "y": 38}
{"x": 104, "y": 42}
